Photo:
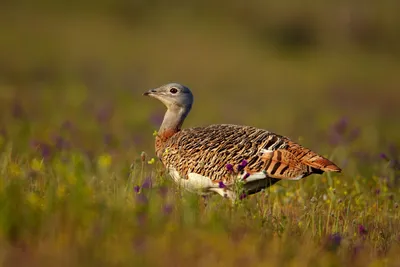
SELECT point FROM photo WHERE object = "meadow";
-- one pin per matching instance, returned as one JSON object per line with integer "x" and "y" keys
{"x": 79, "y": 181}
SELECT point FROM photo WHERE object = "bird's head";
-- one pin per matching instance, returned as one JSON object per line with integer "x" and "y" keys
{"x": 172, "y": 95}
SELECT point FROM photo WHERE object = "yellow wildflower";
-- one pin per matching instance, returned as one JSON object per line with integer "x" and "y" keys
{"x": 61, "y": 191}
{"x": 14, "y": 169}
{"x": 104, "y": 161}
{"x": 37, "y": 165}
{"x": 166, "y": 151}
{"x": 33, "y": 199}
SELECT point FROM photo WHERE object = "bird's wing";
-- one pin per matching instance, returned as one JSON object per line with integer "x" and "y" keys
{"x": 294, "y": 162}
{"x": 208, "y": 150}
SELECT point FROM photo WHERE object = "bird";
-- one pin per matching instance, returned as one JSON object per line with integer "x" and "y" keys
{"x": 217, "y": 158}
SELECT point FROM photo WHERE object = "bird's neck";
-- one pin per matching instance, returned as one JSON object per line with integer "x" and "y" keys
{"x": 171, "y": 124}
{"x": 173, "y": 120}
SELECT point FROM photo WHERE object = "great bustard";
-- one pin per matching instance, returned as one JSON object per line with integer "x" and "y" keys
{"x": 213, "y": 158}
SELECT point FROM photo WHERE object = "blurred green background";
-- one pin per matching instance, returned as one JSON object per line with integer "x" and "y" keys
{"x": 288, "y": 66}
{"x": 73, "y": 124}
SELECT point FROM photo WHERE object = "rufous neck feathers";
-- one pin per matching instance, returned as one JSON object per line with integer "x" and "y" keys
{"x": 173, "y": 120}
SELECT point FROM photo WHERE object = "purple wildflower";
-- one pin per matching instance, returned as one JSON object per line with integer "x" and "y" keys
{"x": 242, "y": 165}
{"x": 335, "y": 239}
{"x": 221, "y": 184}
{"x": 340, "y": 127}
{"x": 242, "y": 196}
{"x": 362, "y": 230}
{"x": 342, "y": 133}
{"x": 246, "y": 176}
{"x": 333, "y": 242}
{"x": 384, "y": 156}
{"x": 60, "y": 143}
{"x": 147, "y": 184}
{"x": 229, "y": 167}
{"x": 167, "y": 209}
{"x": 136, "y": 188}
{"x": 107, "y": 139}
{"x": 163, "y": 191}
{"x": 43, "y": 148}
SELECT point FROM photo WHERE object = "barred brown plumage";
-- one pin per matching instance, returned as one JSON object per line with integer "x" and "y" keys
{"x": 197, "y": 158}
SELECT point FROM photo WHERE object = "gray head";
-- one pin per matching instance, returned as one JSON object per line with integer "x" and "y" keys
{"x": 173, "y": 96}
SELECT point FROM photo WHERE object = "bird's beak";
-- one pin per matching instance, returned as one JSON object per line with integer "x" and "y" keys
{"x": 150, "y": 92}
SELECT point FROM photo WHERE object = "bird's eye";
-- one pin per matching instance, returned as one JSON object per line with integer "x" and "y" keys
{"x": 173, "y": 90}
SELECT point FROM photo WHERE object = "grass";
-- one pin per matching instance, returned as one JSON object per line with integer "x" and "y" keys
{"x": 79, "y": 184}
{"x": 71, "y": 209}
